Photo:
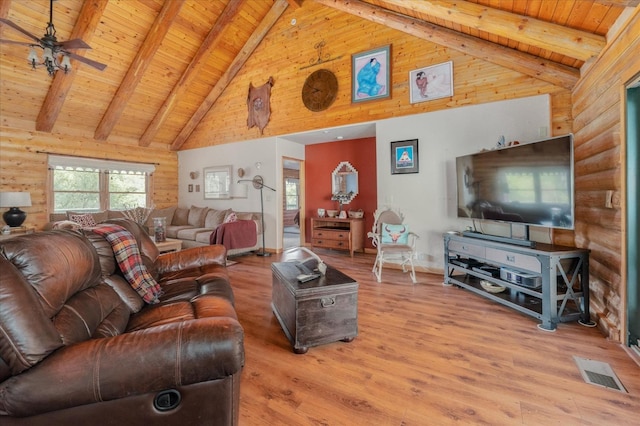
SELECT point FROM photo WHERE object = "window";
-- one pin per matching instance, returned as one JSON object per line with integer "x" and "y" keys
{"x": 291, "y": 193}
{"x": 84, "y": 184}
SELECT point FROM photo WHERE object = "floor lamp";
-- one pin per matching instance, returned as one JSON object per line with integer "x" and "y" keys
{"x": 258, "y": 183}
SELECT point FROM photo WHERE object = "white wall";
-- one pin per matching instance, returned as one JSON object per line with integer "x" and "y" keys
{"x": 268, "y": 152}
{"x": 427, "y": 198}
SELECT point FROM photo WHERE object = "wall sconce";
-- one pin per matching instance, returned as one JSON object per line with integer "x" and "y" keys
{"x": 194, "y": 175}
{"x": 240, "y": 172}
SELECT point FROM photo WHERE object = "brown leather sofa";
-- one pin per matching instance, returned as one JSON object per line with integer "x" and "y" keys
{"x": 79, "y": 346}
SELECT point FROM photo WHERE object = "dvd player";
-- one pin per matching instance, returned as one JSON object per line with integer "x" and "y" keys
{"x": 521, "y": 278}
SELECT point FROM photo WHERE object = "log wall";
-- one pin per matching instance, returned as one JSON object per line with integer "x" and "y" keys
{"x": 22, "y": 168}
{"x": 599, "y": 161}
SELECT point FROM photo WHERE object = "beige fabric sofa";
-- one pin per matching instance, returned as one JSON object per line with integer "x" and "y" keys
{"x": 193, "y": 225}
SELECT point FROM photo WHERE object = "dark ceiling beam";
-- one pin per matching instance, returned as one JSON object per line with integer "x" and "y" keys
{"x": 540, "y": 68}
{"x": 555, "y": 38}
{"x": 206, "y": 49}
{"x": 258, "y": 35}
{"x": 88, "y": 20}
{"x": 626, "y": 3}
{"x": 138, "y": 67}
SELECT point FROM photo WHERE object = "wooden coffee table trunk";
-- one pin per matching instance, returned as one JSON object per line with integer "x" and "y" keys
{"x": 320, "y": 311}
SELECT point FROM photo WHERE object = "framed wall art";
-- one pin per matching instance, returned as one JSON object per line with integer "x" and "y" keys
{"x": 404, "y": 157}
{"x": 217, "y": 183}
{"x": 371, "y": 74}
{"x": 429, "y": 83}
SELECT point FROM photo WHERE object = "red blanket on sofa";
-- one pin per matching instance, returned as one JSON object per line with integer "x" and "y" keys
{"x": 235, "y": 235}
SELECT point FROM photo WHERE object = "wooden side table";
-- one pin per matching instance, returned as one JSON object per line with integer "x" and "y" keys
{"x": 169, "y": 244}
{"x": 16, "y": 232}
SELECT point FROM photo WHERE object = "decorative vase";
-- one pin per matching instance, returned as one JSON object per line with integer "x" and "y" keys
{"x": 160, "y": 229}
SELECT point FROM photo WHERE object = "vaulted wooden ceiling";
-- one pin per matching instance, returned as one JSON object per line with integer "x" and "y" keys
{"x": 170, "y": 60}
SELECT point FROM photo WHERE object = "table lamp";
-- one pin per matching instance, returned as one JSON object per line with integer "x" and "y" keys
{"x": 13, "y": 200}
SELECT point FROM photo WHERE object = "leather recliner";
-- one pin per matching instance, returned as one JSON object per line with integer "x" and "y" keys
{"x": 79, "y": 346}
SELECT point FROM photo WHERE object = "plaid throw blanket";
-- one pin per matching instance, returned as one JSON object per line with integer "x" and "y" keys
{"x": 125, "y": 249}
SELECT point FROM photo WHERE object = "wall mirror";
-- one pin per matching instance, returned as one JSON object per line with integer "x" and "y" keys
{"x": 217, "y": 182}
{"x": 344, "y": 180}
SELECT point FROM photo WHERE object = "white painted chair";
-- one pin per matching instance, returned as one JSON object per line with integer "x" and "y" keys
{"x": 393, "y": 240}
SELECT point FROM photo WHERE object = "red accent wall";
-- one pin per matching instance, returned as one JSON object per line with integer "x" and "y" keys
{"x": 322, "y": 159}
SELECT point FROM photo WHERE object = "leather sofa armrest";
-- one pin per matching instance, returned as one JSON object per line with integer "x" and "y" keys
{"x": 135, "y": 363}
{"x": 193, "y": 257}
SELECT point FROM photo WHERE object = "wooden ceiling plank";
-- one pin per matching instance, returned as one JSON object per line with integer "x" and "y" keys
{"x": 258, "y": 35}
{"x": 138, "y": 67}
{"x": 540, "y": 68}
{"x": 546, "y": 35}
{"x": 5, "y": 5}
{"x": 85, "y": 27}
{"x": 206, "y": 49}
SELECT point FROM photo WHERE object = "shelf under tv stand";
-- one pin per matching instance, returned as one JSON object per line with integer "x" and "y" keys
{"x": 563, "y": 272}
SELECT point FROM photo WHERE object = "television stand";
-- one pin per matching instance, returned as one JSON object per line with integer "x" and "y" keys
{"x": 557, "y": 292}
{"x": 507, "y": 240}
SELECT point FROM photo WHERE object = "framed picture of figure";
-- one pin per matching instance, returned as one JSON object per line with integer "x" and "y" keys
{"x": 371, "y": 75}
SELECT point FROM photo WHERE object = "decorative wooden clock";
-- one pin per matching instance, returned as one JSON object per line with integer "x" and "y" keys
{"x": 320, "y": 90}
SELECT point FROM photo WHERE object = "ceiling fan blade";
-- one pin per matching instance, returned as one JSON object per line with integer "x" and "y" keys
{"x": 73, "y": 44}
{"x": 87, "y": 61}
{"x": 22, "y": 43}
{"x": 23, "y": 31}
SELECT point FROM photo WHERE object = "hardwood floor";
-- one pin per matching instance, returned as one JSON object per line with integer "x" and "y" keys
{"x": 426, "y": 354}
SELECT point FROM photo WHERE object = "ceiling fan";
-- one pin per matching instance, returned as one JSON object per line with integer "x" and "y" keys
{"x": 55, "y": 53}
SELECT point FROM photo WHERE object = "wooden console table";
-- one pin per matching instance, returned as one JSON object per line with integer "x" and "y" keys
{"x": 341, "y": 234}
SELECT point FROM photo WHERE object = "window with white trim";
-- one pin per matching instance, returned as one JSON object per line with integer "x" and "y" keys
{"x": 86, "y": 184}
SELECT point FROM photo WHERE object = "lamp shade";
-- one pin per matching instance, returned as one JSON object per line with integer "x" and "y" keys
{"x": 15, "y": 199}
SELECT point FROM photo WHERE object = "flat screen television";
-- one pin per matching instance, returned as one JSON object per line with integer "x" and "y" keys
{"x": 530, "y": 183}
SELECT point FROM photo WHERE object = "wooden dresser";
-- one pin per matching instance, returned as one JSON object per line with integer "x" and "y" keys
{"x": 340, "y": 234}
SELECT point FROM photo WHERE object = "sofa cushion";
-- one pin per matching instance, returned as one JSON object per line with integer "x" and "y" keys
{"x": 191, "y": 233}
{"x": 167, "y": 213}
{"x": 172, "y": 230}
{"x": 203, "y": 237}
{"x": 180, "y": 217}
{"x": 215, "y": 217}
{"x": 28, "y": 335}
{"x": 197, "y": 215}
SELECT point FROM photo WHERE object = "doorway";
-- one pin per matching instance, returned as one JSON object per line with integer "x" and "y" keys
{"x": 292, "y": 203}
{"x": 632, "y": 131}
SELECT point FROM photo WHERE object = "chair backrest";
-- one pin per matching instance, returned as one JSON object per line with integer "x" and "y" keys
{"x": 389, "y": 216}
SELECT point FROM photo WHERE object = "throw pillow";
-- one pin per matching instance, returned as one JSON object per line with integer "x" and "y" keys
{"x": 244, "y": 216}
{"x": 214, "y": 218}
{"x": 231, "y": 217}
{"x": 395, "y": 234}
{"x": 197, "y": 215}
{"x": 99, "y": 216}
{"x": 84, "y": 220}
{"x": 180, "y": 217}
{"x": 166, "y": 213}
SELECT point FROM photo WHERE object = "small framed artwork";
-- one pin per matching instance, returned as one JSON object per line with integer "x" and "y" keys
{"x": 434, "y": 82}
{"x": 217, "y": 183}
{"x": 371, "y": 74}
{"x": 404, "y": 157}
